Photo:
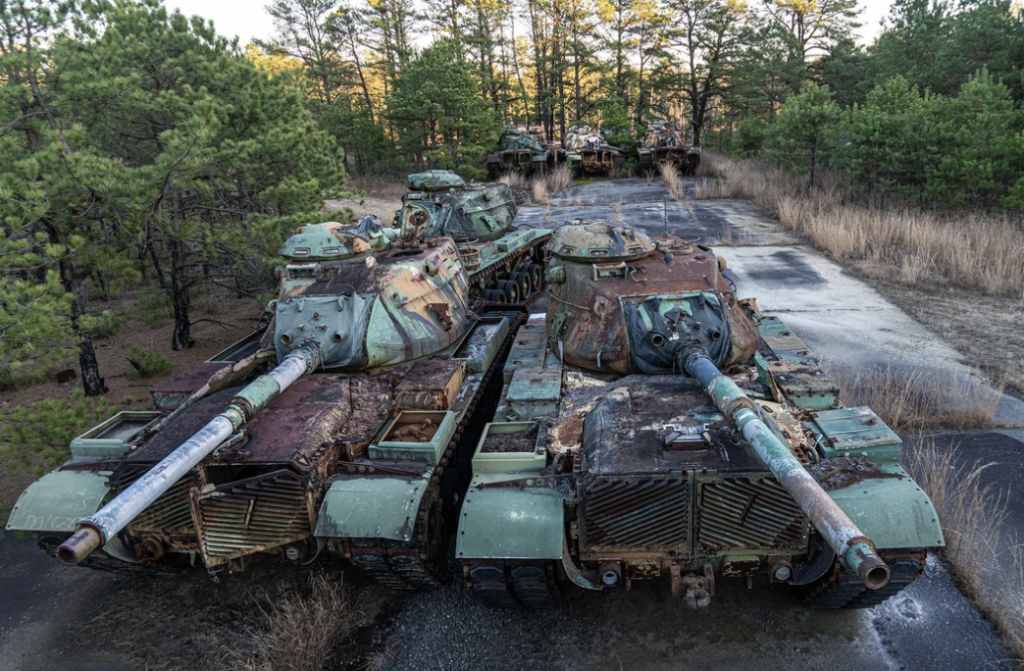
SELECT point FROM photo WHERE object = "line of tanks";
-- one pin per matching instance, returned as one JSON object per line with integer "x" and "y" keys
{"x": 585, "y": 151}
{"x": 650, "y": 424}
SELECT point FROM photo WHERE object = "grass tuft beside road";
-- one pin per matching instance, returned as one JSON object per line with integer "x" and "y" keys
{"x": 974, "y": 250}
{"x": 974, "y": 517}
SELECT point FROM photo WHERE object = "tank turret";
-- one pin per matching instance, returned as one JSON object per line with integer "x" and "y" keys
{"x": 589, "y": 153}
{"x": 656, "y": 425}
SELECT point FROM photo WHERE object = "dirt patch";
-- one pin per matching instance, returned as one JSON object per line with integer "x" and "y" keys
{"x": 377, "y": 196}
{"x": 988, "y": 330}
{"x": 521, "y": 441}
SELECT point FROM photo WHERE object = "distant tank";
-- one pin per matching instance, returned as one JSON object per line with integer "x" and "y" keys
{"x": 666, "y": 143}
{"x": 588, "y": 153}
{"x": 504, "y": 262}
{"x": 334, "y": 430}
{"x": 523, "y": 151}
{"x": 654, "y": 425}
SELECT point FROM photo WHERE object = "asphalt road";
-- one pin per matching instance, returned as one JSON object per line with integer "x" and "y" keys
{"x": 930, "y": 626}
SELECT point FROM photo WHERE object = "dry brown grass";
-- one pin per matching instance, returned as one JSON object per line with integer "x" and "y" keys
{"x": 559, "y": 179}
{"x": 539, "y": 191}
{"x": 302, "y": 632}
{"x": 975, "y": 250}
{"x": 377, "y": 186}
{"x": 515, "y": 181}
{"x": 670, "y": 178}
{"x": 921, "y": 399}
{"x": 973, "y": 517}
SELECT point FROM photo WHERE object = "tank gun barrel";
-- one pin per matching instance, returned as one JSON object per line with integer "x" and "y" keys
{"x": 94, "y": 531}
{"x": 856, "y": 551}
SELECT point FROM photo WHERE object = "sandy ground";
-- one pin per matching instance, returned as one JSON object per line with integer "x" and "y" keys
{"x": 56, "y": 618}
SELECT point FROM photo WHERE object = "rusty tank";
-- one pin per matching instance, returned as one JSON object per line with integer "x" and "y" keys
{"x": 336, "y": 429}
{"x": 654, "y": 425}
{"x": 588, "y": 153}
{"x": 504, "y": 262}
{"x": 667, "y": 143}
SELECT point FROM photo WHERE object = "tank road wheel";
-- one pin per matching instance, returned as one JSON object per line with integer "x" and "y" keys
{"x": 496, "y": 295}
{"x": 525, "y": 283}
{"x": 838, "y": 589}
{"x": 536, "y": 273}
{"x": 513, "y": 583}
{"x": 511, "y": 289}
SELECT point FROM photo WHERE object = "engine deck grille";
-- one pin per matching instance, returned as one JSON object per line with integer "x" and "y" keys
{"x": 251, "y": 515}
{"x": 642, "y": 513}
{"x": 748, "y": 513}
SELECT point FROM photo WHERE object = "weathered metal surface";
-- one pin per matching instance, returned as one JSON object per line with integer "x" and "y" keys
{"x": 588, "y": 312}
{"x": 371, "y": 507}
{"x": 120, "y": 511}
{"x": 533, "y": 392}
{"x": 251, "y": 515}
{"x": 856, "y": 432}
{"x": 113, "y": 437}
{"x": 511, "y": 523}
{"x": 682, "y": 470}
{"x": 57, "y": 500}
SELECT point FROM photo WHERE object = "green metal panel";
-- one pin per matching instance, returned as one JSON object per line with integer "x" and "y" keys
{"x": 856, "y": 432}
{"x": 529, "y": 349}
{"x": 783, "y": 342}
{"x": 508, "y": 462}
{"x": 113, "y": 436}
{"x": 893, "y": 512}
{"x": 533, "y": 392}
{"x": 804, "y": 384}
{"x": 58, "y": 500}
{"x": 371, "y": 507}
{"x": 511, "y": 523}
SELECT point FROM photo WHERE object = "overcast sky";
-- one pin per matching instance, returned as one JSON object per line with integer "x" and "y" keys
{"x": 247, "y": 19}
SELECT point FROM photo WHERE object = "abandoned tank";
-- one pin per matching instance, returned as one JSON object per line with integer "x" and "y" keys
{"x": 654, "y": 425}
{"x": 523, "y": 151}
{"x": 333, "y": 430}
{"x": 504, "y": 262}
{"x": 666, "y": 143}
{"x": 588, "y": 153}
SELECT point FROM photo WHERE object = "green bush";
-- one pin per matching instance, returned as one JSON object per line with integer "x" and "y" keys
{"x": 38, "y": 435}
{"x": 148, "y": 363}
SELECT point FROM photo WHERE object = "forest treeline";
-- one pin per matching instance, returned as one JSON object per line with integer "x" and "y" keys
{"x": 140, "y": 148}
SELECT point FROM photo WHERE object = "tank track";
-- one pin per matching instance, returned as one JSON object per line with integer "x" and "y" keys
{"x": 416, "y": 565}
{"x": 479, "y": 281}
{"x": 513, "y": 583}
{"x": 840, "y": 590}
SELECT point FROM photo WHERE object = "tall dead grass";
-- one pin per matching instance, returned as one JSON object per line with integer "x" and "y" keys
{"x": 302, "y": 632}
{"x": 670, "y": 178}
{"x": 515, "y": 181}
{"x": 539, "y": 191}
{"x": 920, "y": 400}
{"x": 974, "y": 250}
{"x": 559, "y": 179}
{"x": 377, "y": 186}
{"x": 973, "y": 517}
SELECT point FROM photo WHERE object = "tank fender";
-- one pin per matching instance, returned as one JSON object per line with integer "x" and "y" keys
{"x": 511, "y": 523}
{"x": 58, "y": 500}
{"x": 371, "y": 507}
{"x": 892, "y": 511}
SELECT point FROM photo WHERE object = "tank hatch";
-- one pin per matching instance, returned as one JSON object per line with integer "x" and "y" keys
{"x": 331, "y": 240}
{"x": 600, "y": 241}
{"x": 434, "y": 180}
